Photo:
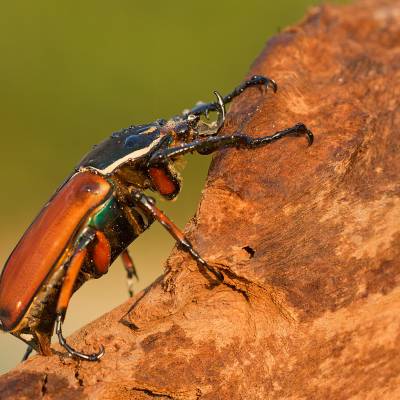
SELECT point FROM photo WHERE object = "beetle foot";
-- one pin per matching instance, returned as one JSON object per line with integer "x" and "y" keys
{"x": 300, "y": 129}
{"x": 217, "y": 274}
{"x": 262, "y": 80}
{"x": 71, "y": 351}
{"x": 27, "y": 353}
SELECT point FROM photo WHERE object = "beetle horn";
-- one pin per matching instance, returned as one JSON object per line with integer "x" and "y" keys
{"x": 221, "y": 111}
{"x": 71, "y": 351}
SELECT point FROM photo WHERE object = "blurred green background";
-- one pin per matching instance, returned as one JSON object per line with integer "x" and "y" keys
{"x": 73, "y": 72}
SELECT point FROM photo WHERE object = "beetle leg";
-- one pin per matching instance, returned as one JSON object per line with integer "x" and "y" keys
{"x": 148, "y": 203}
{"x": 130, "y": 270}
{"x": 256, "y": 80}
{"x": 238, "y": 140}
{"x": 27, "y": 353}
{"x": 74, "y": 268}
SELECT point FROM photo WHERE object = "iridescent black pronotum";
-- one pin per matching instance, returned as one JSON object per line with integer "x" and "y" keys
{"x": 101, "y": 208}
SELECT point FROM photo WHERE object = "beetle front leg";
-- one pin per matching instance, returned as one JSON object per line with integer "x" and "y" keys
{"x": 74, "y": 267}
{"x": 256, "y": 80}
{"x": 148, "y": 203}
{"x": 238, "y": 140}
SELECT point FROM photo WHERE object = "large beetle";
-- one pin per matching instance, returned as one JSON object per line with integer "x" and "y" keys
{"x": 101, "y": 209}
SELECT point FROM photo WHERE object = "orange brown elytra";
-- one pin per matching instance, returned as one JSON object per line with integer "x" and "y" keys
{"x": 101, "y": 209}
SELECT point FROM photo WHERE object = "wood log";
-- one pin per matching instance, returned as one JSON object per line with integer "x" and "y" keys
{"x": 308, "y": 239}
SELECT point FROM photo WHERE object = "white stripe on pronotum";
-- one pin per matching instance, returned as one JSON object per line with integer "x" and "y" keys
{"x": 129, "y": 157}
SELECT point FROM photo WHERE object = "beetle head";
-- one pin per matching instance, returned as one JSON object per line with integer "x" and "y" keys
{"x": 198, "y": 127}
{"x": 127, "y": 152}
{"x": 182, "y": 128}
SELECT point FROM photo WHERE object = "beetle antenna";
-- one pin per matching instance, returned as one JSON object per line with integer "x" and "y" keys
{"x": 221, "y": 111}
{"x": 71, "y": 351}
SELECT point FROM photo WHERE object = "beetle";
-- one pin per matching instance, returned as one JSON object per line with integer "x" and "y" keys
{"x": 101, "y": 208}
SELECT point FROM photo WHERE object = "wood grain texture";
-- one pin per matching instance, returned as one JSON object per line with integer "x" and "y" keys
{"x": 308, "y": 239}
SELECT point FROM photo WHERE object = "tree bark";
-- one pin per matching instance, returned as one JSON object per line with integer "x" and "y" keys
{"x": 308, "y": 239}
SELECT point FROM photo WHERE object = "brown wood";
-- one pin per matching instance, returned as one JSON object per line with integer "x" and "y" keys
{"x": 308, "y": 240}
{"x": 44, "y": 242}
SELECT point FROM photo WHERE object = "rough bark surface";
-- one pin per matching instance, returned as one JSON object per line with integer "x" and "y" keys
{"x": 308, "y": 239}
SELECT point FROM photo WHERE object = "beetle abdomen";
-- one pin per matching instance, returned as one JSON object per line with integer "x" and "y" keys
{"x": 44, "y": 243}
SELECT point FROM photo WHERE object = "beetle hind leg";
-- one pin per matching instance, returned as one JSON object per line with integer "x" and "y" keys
{"x": 130, "y": 270}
